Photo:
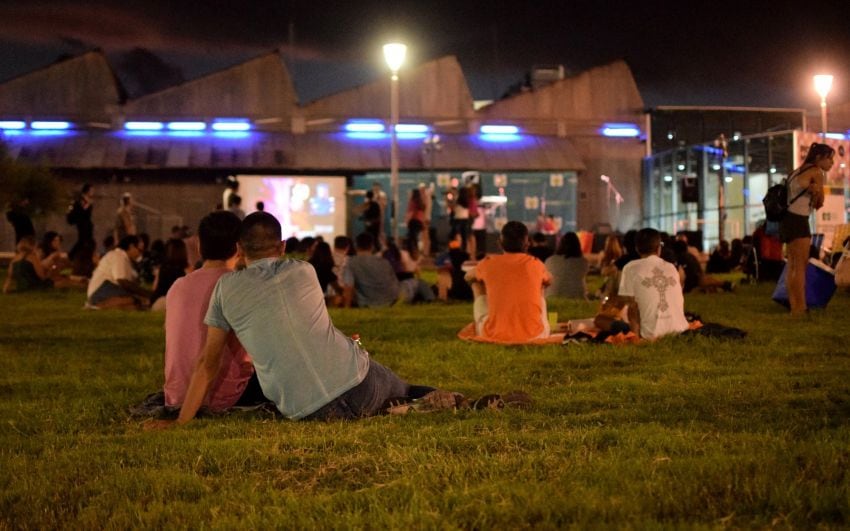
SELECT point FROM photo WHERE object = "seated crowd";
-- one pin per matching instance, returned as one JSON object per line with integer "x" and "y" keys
{"x": 244, "y": 326}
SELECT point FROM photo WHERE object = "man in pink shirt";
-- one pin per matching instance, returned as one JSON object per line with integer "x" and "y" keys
{"x": 185, "y": 332}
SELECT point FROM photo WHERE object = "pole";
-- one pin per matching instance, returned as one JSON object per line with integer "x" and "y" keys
{"x": 394, "y": 154}
{"x": 823, "y": 117}
{"x": 721, "y": 186}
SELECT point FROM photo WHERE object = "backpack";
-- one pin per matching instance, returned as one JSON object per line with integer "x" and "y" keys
{"x": 776, "y": 199}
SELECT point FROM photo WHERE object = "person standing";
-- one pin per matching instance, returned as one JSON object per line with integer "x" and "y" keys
{"x": 380, "y": 197}
{"x": 805, "y": 191}
{"x": 234, "y": 205}
{"x": 370, "y": 213}
{"x": 415, "y": 215}
{"x": 79, "y": 215}
{"x": 125, "y": 219}
{"x": 427, "y": 195}
{"x": 18, "y": 215}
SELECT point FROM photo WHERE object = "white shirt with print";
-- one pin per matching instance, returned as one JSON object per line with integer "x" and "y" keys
{"x": 654, "y": 283}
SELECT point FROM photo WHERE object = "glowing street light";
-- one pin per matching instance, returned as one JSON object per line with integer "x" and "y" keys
{"x": 823, "y": 82}
{"x": 394, "y": 54}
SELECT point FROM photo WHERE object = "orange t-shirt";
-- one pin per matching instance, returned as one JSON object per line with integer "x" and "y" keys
{"x": 514, "y": 283}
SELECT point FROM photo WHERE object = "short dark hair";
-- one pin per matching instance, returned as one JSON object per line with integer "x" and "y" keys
{"x": 364, "y": 242}
{"x": 680, "y": 248}
{"x": 570, "y": 246}
{"x": 514, "y": 235}
{"x": 127, "y": 241}
{"x": 260, "y": 234}
{"x": 218, "y": 233}
{"x": 647, "y": 241}
{"x": 342, "y": 242}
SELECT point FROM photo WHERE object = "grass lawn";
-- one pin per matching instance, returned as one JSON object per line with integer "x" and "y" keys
{"x": 677, "y": 433}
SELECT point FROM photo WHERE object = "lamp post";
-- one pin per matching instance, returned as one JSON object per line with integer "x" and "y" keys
{"x": 394, "y": 55}
{"x": 823, "y": 82}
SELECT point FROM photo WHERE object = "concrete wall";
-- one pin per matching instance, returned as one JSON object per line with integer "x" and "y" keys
{"x": 83, "y": 88}
{"x": 620, "y": 159}
{"x": 260, "y": 88}
{"x": 434, "y": 90}
{"x": 170, "y": 204}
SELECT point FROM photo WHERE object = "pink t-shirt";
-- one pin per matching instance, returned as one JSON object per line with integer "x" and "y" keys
{"x": 185, "y": 335}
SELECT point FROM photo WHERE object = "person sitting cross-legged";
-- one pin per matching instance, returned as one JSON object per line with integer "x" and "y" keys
{"x": 509, "y": 304}
{"x": 304, "y": 364}
{"x": 651, "y": 289}
{"x": 114, "y": 282}
{"x": 370, "y": 281}
{"x": 185, "y": 332}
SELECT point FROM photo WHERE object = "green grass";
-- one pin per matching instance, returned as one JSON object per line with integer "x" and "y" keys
{"x": 677, "y": 433}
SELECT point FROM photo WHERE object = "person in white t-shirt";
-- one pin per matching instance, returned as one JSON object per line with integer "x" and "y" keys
{"x": 651, "y": 288}
{"x": 114, "y": 282}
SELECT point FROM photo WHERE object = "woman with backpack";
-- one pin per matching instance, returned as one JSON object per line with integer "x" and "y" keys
{"x": 805, "y": 187}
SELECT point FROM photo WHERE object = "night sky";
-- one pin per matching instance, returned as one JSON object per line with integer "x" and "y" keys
{"x": 744, "y": 53}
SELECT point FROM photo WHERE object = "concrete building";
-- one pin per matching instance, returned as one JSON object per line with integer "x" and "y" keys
{"x": 173, "y": 149}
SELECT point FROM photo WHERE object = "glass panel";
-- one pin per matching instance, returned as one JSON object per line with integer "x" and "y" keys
{"x": 734, "y": 177}
{"x": 760, "y": 169}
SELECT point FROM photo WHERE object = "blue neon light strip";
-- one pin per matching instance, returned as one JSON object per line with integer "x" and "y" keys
{"x": 500, "y": 137}
{"x": 363, "y": 126}
{"x": 620, "y": 130}
{"x": 235, "y": 125}
{"x": 12, "y": 124}
{"x": 499, "y": 130}
{"x": 42, "y": 125}
{"x": 365, "y": 135}
{"x": 143, "y": 126}
{"x": 411, "y": 128}
{"x": 836, "y": 136}
{"x": 186, "y": 126}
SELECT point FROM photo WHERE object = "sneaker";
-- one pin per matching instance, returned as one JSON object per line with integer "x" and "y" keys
{"x": 513, "y": 399}
{"x": 437, "y": 400}
{"x": 489, "y": 402}
{"x": 90, "y": 306}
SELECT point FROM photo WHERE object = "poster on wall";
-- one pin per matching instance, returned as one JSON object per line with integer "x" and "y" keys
{"x": 835, "y": 206}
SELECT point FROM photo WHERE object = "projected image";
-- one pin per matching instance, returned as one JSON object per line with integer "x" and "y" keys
{"x": 304, "y": 205}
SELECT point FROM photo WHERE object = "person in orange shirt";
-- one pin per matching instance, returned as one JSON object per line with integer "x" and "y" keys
{"x": 509, "y": 304}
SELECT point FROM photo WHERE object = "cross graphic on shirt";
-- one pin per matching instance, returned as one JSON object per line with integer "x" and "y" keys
{"x": 660, "y": 283}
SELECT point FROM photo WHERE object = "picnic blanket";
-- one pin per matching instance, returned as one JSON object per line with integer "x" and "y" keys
{"x": 467, "y": 333}
{"x": 695, "y": 328}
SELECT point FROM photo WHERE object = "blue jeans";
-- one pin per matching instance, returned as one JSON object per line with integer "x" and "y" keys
{"x": 415, "y": 289}
{"x": 366, "y": 398}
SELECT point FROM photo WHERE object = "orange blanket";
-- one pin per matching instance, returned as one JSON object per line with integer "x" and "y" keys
{"x": 467, "y": 333}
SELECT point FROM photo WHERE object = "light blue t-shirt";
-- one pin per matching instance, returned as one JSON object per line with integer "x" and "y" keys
{"x": 277, "y": 310}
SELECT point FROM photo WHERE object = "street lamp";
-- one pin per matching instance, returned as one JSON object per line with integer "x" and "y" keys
{"x": 823, "y": 82}
{"x": 394, "y": 55}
